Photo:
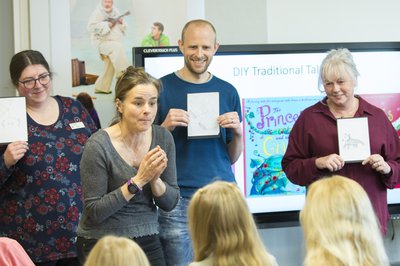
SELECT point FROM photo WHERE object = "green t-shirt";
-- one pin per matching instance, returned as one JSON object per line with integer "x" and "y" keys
{"x": 149, "y": 41}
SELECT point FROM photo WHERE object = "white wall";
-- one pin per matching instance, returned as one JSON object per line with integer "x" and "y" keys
{"x": 291, "y": 21}
{"x": 50, "y": 34}
{"x": 260, "y": 21}
{"x": 239, "y": 24}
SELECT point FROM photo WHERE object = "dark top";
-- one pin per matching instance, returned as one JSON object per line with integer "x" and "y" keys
{"x": 104, "y": 171}
{"x": 40, "y": 196}
{"x": 95, "y": 117}
{"x": 199, "y": 161}
{"x": 315, "y": 135}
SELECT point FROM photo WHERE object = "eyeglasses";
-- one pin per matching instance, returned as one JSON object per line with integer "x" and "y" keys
{"x": 30, "y": 83}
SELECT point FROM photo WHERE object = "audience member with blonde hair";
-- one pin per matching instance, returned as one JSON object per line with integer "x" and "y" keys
{"x": 340, "y": 226}
{"x": 116, "y": 251}
{"x": 223, "y": 230}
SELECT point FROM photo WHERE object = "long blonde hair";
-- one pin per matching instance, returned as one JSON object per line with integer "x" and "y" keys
{"x": 116, "y": 251}
{"x": 222, "y": 226}
{"x": 340, "y": 226}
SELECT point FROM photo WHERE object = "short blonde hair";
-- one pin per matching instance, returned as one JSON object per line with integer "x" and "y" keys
{"x": 340, "y": 225}
{"x": 116, "y": 251}
{"x": 338, "y": 62}
{"x": 221, "y": 225}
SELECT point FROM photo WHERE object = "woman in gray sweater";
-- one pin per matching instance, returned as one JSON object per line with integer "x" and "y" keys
{"x": 128, "y": 171}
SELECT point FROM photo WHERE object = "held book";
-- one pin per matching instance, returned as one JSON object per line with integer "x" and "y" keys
{"x": 13, "y": 123}
{"x": 353, "y": 138}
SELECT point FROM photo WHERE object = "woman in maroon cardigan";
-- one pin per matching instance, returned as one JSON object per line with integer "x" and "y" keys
{"x": 313, "y": 149}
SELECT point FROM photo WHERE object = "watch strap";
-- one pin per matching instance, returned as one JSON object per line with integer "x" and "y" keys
{"x": 133, "y": 188}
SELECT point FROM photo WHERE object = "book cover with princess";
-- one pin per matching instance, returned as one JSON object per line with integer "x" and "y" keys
{"x": 267, "y": 124}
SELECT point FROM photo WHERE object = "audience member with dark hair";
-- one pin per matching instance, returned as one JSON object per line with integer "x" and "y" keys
{"x": 40, "y": 191}
{"x": 87, "y": 102}
{"x": 128, "y": 171}
{"x": 340, "y": 226}
{"x": 223, "y": 230}
{"x": 116, "y": 251}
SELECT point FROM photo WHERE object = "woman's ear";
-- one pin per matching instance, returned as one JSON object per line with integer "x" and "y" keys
{"x": 118, "y": 105}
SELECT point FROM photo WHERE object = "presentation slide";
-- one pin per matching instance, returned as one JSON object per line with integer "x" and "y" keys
{"x": 274, "y": 89}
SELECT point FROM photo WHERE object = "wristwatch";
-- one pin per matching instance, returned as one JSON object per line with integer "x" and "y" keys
{"x": 132, "y": 187}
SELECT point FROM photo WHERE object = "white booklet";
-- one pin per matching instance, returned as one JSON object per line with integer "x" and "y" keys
{"x": 13, "y": 124}
{"x": 203, "y": 109}
{"x": 353, "y": 137}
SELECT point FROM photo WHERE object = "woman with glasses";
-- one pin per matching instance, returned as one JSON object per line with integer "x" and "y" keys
{"x": 40, "y": 191}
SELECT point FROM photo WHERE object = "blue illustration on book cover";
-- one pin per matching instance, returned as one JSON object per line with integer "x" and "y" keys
{"x": 267, "y": 124}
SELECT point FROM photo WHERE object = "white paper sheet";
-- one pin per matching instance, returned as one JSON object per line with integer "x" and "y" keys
{"x": 203, "y": 111}
{"x": 13, "y": 124}
{"x": 353, "y": 137}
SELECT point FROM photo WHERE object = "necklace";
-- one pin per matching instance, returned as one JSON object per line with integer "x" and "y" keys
{"x": 345, "y": 113}
{"x": 128, "y": 152}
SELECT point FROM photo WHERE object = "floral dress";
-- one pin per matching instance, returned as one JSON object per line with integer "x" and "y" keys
{"x": 41, "y": 196}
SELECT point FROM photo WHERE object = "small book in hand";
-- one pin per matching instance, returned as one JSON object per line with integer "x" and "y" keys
{"x": 353, "y": 138}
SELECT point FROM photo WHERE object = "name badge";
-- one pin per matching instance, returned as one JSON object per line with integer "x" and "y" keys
{"x": 76, "y": 125}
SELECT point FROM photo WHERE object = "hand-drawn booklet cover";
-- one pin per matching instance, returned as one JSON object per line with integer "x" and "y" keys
{"x": 13, "y": 124}
{"x": 203, "y": 109}
{"x": 353, "y": 138}
{"x": 267, "y": 124}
